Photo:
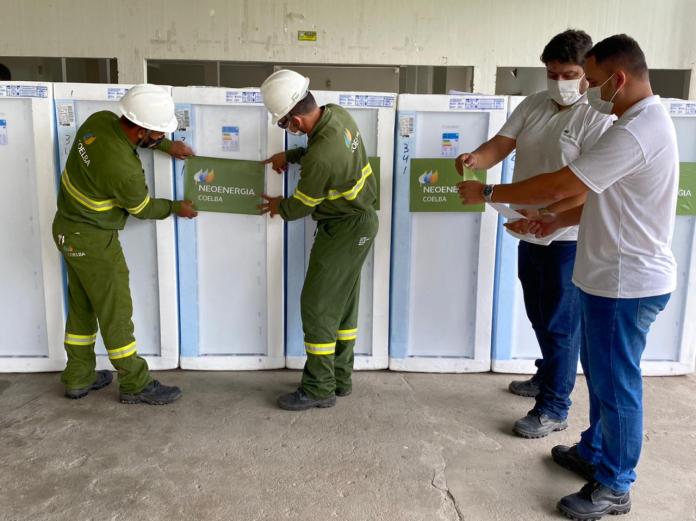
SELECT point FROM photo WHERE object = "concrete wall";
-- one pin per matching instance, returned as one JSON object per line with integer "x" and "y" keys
{"x": 481, "y": 33}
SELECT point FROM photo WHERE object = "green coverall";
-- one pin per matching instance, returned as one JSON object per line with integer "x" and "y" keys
{"x": 338, "y": 189}
{"x": 103, "y": 182}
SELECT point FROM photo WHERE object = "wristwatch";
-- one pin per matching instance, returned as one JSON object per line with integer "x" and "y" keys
{"x": 487, "y": 193}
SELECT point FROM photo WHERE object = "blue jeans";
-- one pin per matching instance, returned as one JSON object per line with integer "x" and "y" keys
{"x": 613, "y": 340}
{"x": 551, "y": 302}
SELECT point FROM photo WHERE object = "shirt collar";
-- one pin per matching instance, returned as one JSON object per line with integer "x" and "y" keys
{"x": 640, "y": 105}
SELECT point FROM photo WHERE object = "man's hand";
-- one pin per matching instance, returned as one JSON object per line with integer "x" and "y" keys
{"x": 279, "y": 162}
{"x": 180, "y": 150}
{"x": 546, "y": 226}
{"x": 271, "y": 205}
{"x": 471, "y": 192}
{"x": 468, "y": 160}
{"x": 520, "y": 226}
{"x": 185, "y": 209}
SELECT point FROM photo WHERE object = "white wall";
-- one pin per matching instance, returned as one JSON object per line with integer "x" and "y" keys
{"x": 482, "y": 33}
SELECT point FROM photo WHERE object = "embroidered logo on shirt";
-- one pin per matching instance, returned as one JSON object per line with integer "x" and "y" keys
{"x": 351, "y": 142}
{"x": 363, "y": 241}
{"x": 89, "y": 138}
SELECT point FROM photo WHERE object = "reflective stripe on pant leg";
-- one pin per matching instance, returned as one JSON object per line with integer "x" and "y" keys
{"x": 80, "y": 340}
{"x": 122, "y": 352}
{"x": 347, "y": 334}
{"x": 327, "y": 348}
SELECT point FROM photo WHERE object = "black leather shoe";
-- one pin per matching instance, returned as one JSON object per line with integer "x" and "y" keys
{"x": 569, "y": 459}
{"x": 594, "y": 501}
{"x": 344, "y": 392}
{"x": 301, "y": 401}
{"x": 536, "y": 425}
{"x": 103, "y": 379}
{"x": 154, "y": 394}
{"x": 528, "y": 388}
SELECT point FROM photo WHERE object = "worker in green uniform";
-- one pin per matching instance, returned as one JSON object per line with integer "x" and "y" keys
{"x": 103, "y": 182}
{"x": 337, "y": 188}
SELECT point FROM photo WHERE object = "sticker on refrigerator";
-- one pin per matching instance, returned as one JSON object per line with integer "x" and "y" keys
{"x": 433, "y": 186}
{"x": 183, "y": 119}
{"x": 3, "y": 132}
{"x": 66, "y": 114}
{"x": 450, "y": 144}
{"x": 406, "y": 125}
{"x": 230, "y": 139}
{"x": 115, "y": 93}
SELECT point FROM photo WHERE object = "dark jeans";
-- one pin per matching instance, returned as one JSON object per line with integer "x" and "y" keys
{"x": 552, "y": 304}
{"x": 613, "y": 340}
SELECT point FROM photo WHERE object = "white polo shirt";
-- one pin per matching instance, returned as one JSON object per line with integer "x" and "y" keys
{"x": 549, "y": 138}
{"x": 624, "y": 245}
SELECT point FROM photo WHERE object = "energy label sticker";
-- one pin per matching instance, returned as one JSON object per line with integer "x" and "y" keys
{"x": 230, "y": 139}
{"x": 3, "y": 132}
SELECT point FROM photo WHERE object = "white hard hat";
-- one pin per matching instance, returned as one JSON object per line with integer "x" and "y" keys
{"x": 282, "y": 90}
{"x": 149, "y": 106}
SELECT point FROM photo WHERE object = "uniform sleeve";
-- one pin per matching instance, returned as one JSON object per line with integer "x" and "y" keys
{"x": 133, "y": 195}
{"x": 294, "y": 155}
{"x": 616, "y": 155}
{"x": 164, "y": 146}
{"x": 594, "y": 131}
{"x": 311, "y": 191}
{"x": 515, "y": 123}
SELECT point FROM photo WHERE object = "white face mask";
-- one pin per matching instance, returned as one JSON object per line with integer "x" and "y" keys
{"x": 295, "y": 132}
{"x": 564, "y": 92}
{"x": 594, "y": 98}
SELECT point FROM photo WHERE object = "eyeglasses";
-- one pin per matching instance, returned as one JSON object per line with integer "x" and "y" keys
{"x": 284, "y": 122}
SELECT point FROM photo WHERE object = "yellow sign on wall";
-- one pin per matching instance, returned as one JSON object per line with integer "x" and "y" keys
{"x": 307, "y": 36}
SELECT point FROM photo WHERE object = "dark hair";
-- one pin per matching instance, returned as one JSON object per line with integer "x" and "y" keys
{"x": 5, "y": 74}
{"x": 128, "y": 122}
{"x": 304, "y": 106}
{"x": 623, "y": 52}
{"x": 567, "y": 47}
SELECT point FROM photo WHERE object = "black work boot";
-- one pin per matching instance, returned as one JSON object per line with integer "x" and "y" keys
{"x": 301, "y": 401}
{"x": 103, "y": 379}
{"x": 594, "y": 501}
{"x": 154, "y": 394}
{"x": 343, "y": 392}
{"x": 528, "y": 388}
{"x": 569, "y": 459}
{"x": 536, "y": 425}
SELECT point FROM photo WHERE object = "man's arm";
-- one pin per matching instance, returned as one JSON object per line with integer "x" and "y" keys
{"x": 548, "y": 224}
{"x": 539, "y": 190}
{"x": 488, "y": 154}
{"x": 133, "y": 195}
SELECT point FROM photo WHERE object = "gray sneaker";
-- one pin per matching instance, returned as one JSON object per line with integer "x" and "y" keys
{"x": 154, "y": 394}
{"x": 528, "y": 388}
{"x": 536, "y": 425}
{"x": 103, "y": 379}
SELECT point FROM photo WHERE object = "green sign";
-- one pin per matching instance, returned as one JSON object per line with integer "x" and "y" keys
{"x": 686, "y": 201}
{"x": 224, "y": 185}
{"x": 433, "y": 186}
{"x": 374, "y": 163}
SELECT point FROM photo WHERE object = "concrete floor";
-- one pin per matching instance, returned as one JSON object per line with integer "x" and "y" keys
{"x": 403, "y": 447}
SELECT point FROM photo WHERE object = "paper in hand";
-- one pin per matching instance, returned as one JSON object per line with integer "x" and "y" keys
{"x": 506, "y": 211}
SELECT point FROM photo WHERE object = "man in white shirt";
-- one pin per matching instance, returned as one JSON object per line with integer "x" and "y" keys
{"x": 549, "y": 129}
{"x": 624, "y": 265}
